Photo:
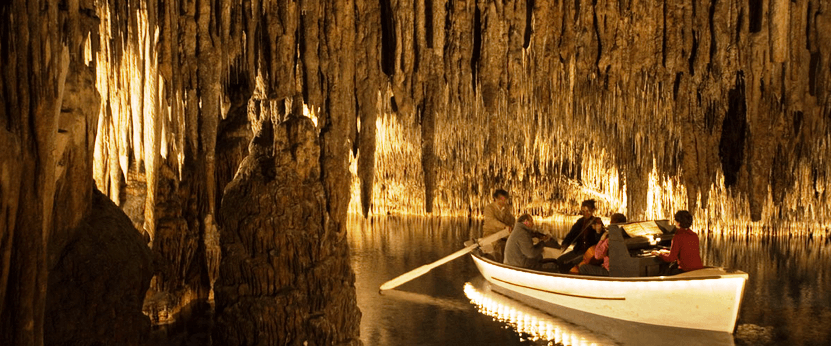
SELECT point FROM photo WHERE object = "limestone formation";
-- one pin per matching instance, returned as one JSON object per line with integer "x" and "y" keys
{"x": 720, "y": 107}
{"x": 285, "y": 275}
{"x": 97, "y": 284}
{"x": 647, "y": 106}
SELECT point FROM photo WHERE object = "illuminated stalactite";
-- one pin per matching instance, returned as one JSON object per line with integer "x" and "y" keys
{"x": 176, "y": 79}
{"x": 556, "y": 101}
{"x": 592, "y": 79}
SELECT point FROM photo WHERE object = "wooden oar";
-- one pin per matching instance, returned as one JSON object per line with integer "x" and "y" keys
{"x": 427, "y": 267}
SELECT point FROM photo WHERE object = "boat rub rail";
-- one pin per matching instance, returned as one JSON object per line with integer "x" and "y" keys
{"x": 680, "y": 277}
{"x": 560, "y": 293}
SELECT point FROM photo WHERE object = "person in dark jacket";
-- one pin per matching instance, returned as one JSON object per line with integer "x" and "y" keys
{"x": 601, "y": 251}
{"x": 581, "y": 234}
{"x": 685, "y": 246}
{"x": 521, "y": 250}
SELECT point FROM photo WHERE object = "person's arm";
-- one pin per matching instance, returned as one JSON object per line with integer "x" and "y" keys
{"x": 674, "y": 250}
{"x": 490, "y": 219}
{"x": 601, "y": 249}
{"x": 527, "y": 246}
{"x": 509, "y": 218}
{"x": 571, "y": 234}
{"x": 542, "y": 240}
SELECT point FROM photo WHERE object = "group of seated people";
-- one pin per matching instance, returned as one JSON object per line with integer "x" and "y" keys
{"x": 590, "y": 254}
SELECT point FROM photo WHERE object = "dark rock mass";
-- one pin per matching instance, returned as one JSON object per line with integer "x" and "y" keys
{"x": 96, "y": 287}
{"x": 284, "y": 275}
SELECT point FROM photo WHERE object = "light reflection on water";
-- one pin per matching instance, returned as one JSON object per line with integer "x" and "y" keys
{"x": 529, "y": 322}
{"x": 785, "y": 300}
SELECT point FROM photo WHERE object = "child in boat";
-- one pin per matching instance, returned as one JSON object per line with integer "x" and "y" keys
{"x": 600, "y": 251}
{"x": 684, "y": 248}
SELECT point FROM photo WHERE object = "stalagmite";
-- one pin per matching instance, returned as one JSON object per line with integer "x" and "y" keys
{"x": 720, "y": 107}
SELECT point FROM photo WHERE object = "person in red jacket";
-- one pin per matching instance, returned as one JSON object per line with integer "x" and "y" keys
{"x": 684, "y": 249}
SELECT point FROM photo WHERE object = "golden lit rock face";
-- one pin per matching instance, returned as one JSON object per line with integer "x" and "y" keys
{"x": 153, "y": 100}
{"x": 719, "y": 107}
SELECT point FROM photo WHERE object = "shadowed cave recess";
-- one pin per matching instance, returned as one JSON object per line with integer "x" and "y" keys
{"x": 160, "y": 155}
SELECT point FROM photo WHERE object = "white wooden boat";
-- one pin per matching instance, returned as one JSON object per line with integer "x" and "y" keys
{"x": 706, "y": 299}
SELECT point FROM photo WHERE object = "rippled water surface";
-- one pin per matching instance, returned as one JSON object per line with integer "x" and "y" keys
{"x": 786, "y": 300}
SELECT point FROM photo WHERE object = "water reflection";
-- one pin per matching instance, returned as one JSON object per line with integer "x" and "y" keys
{"x": 527, "y": 321}
{"x": 784, "y": 301}
{"x": 786, "y": 293}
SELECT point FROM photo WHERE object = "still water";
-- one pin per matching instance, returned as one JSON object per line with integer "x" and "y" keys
{"x": 786, "y": 300}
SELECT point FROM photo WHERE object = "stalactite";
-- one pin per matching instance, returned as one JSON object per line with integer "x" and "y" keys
{"x": 636, "y": 104}
{"x": 644, "y": 86}
{"x": 368, "y": 84}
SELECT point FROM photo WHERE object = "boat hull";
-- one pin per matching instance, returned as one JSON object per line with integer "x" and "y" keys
{"x": 707, "y": 299}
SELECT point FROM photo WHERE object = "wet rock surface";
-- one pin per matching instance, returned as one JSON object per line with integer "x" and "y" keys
{"x": 720, "y": 107}
{"x": 284, "y": 276}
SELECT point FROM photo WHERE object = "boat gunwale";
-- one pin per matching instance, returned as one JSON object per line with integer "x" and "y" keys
{"x": 735, "y": 273}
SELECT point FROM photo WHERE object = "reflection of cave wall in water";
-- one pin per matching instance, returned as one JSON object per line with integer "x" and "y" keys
{"x": 721, "y": 107}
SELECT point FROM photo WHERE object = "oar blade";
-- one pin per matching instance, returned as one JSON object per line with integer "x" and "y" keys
{"x": 425, "y": 268}
{"x": 403, "y": 278}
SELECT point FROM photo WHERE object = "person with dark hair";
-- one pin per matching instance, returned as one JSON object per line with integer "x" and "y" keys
{"x": 617, "y": 218}
{"x": 497, "y": 217}
{"x": 600, "y": 252}
{"x": 520, "y": 250}
{"x": 581, "y": 234}
{"x": 597, "y": 262}
{"x": 685, "y": 246}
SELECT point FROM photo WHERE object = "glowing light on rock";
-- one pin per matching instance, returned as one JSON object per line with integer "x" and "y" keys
{"x": 551, "y": 159}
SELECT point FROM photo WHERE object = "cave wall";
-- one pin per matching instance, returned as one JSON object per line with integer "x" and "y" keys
{"x": 199, "y": 74}
{"x": 721, "y": 107}
{"x": 154, "y": 100}
{"x": 48, "y": 112}
{"x": 97, "y": 284}
{"x": 284, "y": 276}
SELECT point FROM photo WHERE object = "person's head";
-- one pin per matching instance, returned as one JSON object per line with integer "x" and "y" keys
{"x": 617, "y": 218}
{"x": 598, "y": 226}
{"x": 587, "y": 208}
{"x": 501, "y": 197}
{"x": 526, "y": 220}
{"x": 683, "y": 219}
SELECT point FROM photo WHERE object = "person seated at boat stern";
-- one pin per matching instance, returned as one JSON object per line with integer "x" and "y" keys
{"x": 581, "y": 234}
{"x": 497, "y": 217}
{"x": 520, "y": 250}
{"x": 601, "y": 250}
{"x": 684, "y": 248}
